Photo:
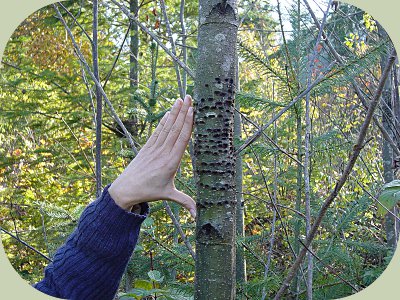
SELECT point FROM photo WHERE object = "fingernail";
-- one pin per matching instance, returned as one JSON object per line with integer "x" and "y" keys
{"x": 193, "y": 213}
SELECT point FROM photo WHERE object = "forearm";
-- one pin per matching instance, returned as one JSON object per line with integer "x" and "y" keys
{"x": 91, "y": 262}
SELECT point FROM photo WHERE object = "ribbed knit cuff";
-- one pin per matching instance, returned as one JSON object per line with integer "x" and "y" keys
{"x": 107, "y": 228}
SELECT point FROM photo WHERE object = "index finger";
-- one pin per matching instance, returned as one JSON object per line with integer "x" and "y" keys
{"x": 183, "y": 139}
{"x": 157, "y": 131}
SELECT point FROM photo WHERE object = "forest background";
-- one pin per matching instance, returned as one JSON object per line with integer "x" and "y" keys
{"x": 41, "y": 196}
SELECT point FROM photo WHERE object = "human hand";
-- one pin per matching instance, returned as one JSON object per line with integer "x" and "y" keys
{"x": 150, "y": 175}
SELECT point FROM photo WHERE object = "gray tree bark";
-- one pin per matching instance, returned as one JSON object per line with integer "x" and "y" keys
{"x": 133, "y": 84}
{"x": 240, "y": 259}
{"x": 388, "y": 119}
{"x": 134, "y": 47}
{"x": 99, "y": 98}
{"x": 297, "y": 225}
{"x": 214, "y": 151}
{"x": 391, "y": 225}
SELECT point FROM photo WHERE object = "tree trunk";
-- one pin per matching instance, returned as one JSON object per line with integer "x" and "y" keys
{"x": 396, "y": 97}
{"x": 134, "y": 66}
{"x": 297, "y": 224}
{"x": 387, "y": 159}
{"x": 240, "y": 260}
{"x": 214, "y": 152}
{"x": 99, "y": 98}
{"x": 388, "y": 120}
{"x": 133, "y": 84}
{"x": 134, "y": 47}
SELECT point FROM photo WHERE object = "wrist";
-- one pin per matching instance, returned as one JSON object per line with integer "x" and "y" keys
{"x": 121, "y": 198}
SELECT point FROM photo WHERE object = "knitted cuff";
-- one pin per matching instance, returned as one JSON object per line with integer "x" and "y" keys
{"x": 107, "y": 228}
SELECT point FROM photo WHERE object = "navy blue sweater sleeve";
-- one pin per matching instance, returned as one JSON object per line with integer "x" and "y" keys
{"x": 91, "y": 262}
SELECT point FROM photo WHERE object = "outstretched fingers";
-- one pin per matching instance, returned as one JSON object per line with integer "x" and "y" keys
{"x": 178, "y": 124}
{"x": 168, "y": 124}
{"x": 153, "y": 138}
{"x": 183, "y": 139}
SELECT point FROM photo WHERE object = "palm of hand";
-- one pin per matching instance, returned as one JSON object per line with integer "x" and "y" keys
{"x": 150, "y": 176}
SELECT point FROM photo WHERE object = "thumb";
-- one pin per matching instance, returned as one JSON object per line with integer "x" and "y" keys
{"x": 184, "y": 200}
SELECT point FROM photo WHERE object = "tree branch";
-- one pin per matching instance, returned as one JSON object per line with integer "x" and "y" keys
{"x": 171, "y": 40}
{"x": 98, "y": 84}
{"x": 99, "y": 102}
{"x": 179, "y": 228}
{"x": 154, "y": 36}
{"x": 26, "y": 244}
{"x": 256, "y": 135}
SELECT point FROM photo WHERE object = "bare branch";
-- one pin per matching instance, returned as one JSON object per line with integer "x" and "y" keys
{"x": 99, "y": 102}
{"x": 331, "y": 270}
{"x": 307, "y": 154}
{"x": 168, "y": 249}
{"x": 179, "y": 228}
{"x": 277, "y": 204}
{"x": 171, "y": 40}
{"x": 76, "y": 22}
{"x": 98, "y": 84}
{"x": 26, "y": 244}
{"x": 154, "y": 36}
{"x": 35, "y": 75}
{"x": 269, "y": 139}
{"x": 184, "y": 47}
{"x": 256, "y": 135}
{"x": 117, "y": 57}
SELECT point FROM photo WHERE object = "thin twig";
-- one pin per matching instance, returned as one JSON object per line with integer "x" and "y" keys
{"x": 98, "y": 84}
{"x": 117, "y": 57}
{"x": 179, "y": 228}
{"x": 76, "y": 22}
{"x": 277, "y": 204}
{"x": 273, "y": 203}
{"x": 183, "y": 46}
{"x": 154, "y": 36}
{"x": 35, "y": 75}
{"x": 44, "y": 229}
{"x": 256, "y": 135}
{"x": 307, "y": 154}
{"x": 376, "y": 199}
{"x": 272, "y": 238}
{"x": 99, "y": 102}
{"x": 253, "y": 253}
{"x": 26, "y": 244}
{"x": 332, "y": 270}
{"x": 171, "y": 40}
{"x": 269, "y": 139}
{"x": 288, "y": 57}
{"x": 169, "y": 250}
{"x": 79, "y": 144}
